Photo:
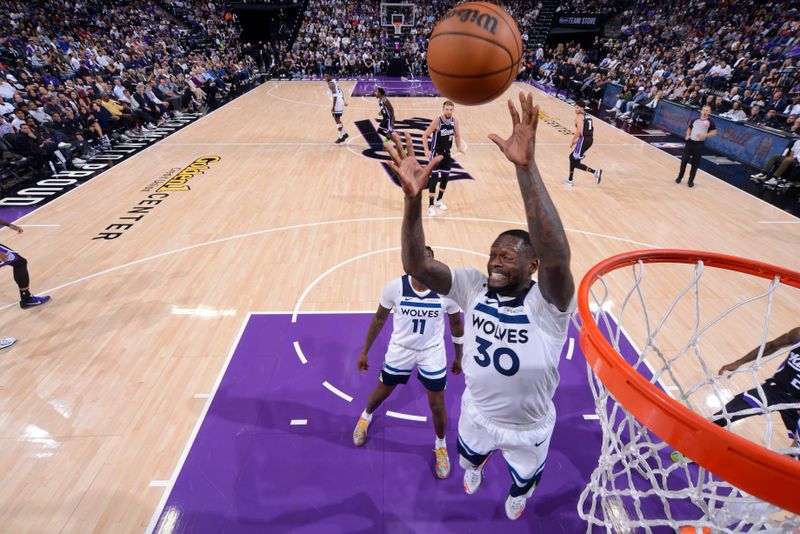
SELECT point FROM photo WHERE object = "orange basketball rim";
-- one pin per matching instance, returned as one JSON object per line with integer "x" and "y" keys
{"x": 757, "y": 470}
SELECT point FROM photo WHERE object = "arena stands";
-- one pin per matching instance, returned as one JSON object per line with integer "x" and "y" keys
{"x": 79, "y": 76}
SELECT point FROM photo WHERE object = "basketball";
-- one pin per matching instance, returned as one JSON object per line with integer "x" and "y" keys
{"x": 474, "y": 53}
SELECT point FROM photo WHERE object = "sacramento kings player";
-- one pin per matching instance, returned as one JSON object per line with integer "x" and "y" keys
{"x": 442, "y": 131}
{"x": 515, "y": 328}
{"x": 417, "y": 341}
{"x": 581, "y": 141}
{"x": 782, "y": 388}
{"x": 335, "y": 93}
{"x": 386, "y": 124}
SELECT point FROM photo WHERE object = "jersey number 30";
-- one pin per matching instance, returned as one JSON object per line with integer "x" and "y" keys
{"x": 505, "y": 366}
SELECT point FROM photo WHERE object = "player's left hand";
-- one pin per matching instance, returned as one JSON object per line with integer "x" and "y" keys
{"x": 413, "y": 176}
{"x": 519, "y": 148}
{"x": 456, "y": 367}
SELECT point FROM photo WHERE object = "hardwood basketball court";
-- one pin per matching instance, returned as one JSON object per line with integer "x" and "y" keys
{"x": 106, "y": 384}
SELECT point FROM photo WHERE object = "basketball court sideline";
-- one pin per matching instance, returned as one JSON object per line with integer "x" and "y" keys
{"x": 102, "y": 392}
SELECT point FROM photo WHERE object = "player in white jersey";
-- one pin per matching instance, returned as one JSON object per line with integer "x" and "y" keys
{"x": 337, "y": 96}
{"x": 417, "y": 340}
{"x": 515, "y": 328}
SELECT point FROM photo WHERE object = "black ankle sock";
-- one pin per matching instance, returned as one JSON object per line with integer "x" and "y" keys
{"x": 25, "y": 294}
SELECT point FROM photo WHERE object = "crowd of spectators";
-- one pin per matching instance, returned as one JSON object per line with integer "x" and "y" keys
{"x": 79, "y": 75}
{"x": 742, "y": 61}
{"x": 347, "y": 39}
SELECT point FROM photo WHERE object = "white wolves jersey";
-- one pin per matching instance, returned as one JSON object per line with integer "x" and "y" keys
{"x": 511, "y": 349}
{"x": 338, "y": 94}
{"x": 418, "y": 319}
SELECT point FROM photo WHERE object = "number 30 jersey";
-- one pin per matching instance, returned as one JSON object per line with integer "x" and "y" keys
{"x": 418, "y": 318}
{"x": 512, "y": 347}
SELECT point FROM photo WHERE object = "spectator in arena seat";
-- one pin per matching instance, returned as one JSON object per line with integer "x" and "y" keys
{"x": 755, "y": 118}
{"x": 736, "y": 113}
{"x": 773, "y": 120}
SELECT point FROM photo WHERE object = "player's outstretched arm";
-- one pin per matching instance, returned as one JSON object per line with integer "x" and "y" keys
{"x": 789, "y": 338}
{"x": 375, "y": 327}
{"x": 11, "y": 225}
{"x": 544, "y": 224}
{"x": 413, "y": 179}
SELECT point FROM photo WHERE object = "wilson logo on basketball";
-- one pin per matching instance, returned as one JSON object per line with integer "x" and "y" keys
{"x": 483, "y": 20}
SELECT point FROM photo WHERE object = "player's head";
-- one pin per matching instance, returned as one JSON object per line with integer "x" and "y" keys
{"x": 380, "y": 92}
{"x": 429, "y": 252}
{"x": 705, "y": 111}
{"x": 448, "y": 108}
{"x": 512, "y": 262}
{"x": 327, "y": 76}
{"x": 579, "y": 106}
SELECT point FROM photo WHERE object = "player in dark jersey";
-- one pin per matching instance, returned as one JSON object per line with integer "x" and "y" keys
{"x": 21, "y": 277}
{"x": 386, "y": 125}
{"x": 337, "y": 108}
{"x": 782, "y": 388}
{"x": 442, "y": 131}
{"x": 581, "y": 141}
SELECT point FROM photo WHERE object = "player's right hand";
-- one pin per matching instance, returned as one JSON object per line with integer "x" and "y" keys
{"x": 413, "y": 176}
{"x": 362, "y": 362}
{"x": 728, "y": 368}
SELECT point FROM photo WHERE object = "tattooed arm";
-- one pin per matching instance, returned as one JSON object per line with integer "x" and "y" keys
{"x": 547, "y": 233}
{"x": 413, "y": 179}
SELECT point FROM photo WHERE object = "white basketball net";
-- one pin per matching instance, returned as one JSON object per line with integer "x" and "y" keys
{"x": 639, "y": 485}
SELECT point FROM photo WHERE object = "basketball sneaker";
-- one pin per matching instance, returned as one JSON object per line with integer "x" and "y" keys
{"x": 758, "y": 177}
{"x": 440, "y": 205}
{"x": 360, "y": 433}
{"x": 515, "y": 506}
{"x": 473, "y": 476}
{"x": 568, "y": 183}
{"x": 431, "y": 211}
{"x": 598, "y": 173}
{"x": 33, "y": 301}
{"x": 342, "y": 138}
{"x": 7, "y": 342}
{"x": 442, "y": 463}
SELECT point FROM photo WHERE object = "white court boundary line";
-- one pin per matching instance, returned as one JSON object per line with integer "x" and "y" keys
{"x": 399, "y": 415}
{"x": 356, "y": 258}
{"x": 299, "y": 352}
{"x": 306, "y": 225}
{"x": 336, "y": 391}
{"x": 160, "y": 508}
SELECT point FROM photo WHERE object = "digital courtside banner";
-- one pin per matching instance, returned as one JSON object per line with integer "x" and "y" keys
{"x": 737, "y": 141}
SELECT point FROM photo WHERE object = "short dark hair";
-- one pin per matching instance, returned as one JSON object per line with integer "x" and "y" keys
{"x": 580, "y": 103}
{"x": 429, "y": 249}
{"x": 381, "y": 91}
{"x": 522, "y": 235}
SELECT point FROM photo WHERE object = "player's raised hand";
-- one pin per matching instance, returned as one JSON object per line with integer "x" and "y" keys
{"x": 519, "y": 148}
{"x": 413, "y": 176}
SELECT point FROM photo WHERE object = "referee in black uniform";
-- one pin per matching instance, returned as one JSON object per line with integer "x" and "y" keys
{"x": 698, "y": 131}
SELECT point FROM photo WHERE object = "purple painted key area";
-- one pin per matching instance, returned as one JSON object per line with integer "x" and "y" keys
{"x": 249, "y": 470}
